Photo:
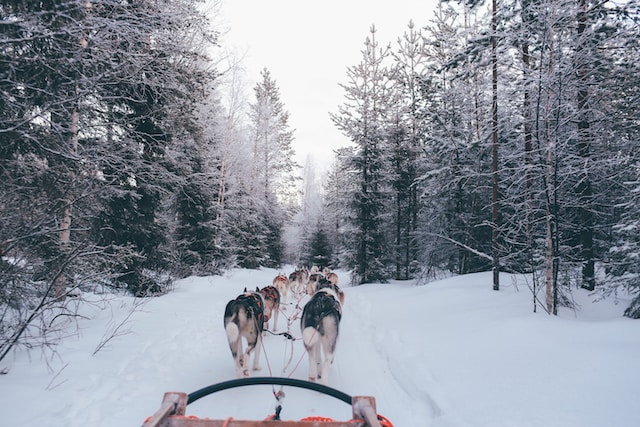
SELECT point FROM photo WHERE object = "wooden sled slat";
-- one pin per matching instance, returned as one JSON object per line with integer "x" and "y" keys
{"x": 172, "y": 414}
{"x": 186, "y": 422}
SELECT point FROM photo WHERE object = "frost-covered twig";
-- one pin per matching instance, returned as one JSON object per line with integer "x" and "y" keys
{"x": 117, "y": 328}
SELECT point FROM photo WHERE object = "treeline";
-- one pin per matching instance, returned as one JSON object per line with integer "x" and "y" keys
{"x": 129, "y": 157}
{"x": 496, "y": 137}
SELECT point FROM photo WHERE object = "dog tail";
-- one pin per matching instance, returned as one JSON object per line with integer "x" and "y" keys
{"x": 232, "y": 332}
{"x": 310, "y": 336}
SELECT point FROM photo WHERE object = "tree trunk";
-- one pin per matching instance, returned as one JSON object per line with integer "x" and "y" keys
{"x": 551, "y": 231}
{"x": 550, "y": 183}
{"x": 495, "y": 209}
{"x": 64, "y": 235}
{"x": 528, "y": 149}
{"x": 584, "y": 189}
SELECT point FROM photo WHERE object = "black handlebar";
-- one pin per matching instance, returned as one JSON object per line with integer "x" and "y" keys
{"x": 241, "y": 382}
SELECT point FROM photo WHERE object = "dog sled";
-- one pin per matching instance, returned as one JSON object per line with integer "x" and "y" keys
{"x": 172, "y": 412}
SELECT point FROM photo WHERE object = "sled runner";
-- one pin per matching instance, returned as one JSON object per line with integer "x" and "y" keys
{"x": 174, "y": 404}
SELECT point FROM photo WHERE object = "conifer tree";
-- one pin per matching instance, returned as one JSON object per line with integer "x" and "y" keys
{"x": 408, "y": 133}
{"x": 362, "y": 119}
{"x": 272, "y": 180}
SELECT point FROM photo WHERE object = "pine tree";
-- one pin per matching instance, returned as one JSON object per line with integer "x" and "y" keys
{"x": 337, "y": 214}
{"x": 150, "y": 113}
{"x": 408, "y": 133}
{"x": 272, "y": 176}
{"x": 319, "y": 250}
{"x": 92, "y": 97}
{"x": 362, "y": 119}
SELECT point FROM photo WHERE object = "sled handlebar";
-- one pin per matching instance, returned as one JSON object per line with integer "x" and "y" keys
{"x": 172, "y": 411}
{"x": 241, "y": 382}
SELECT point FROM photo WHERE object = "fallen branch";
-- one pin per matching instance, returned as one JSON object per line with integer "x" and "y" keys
{"x": 462, "y": 245}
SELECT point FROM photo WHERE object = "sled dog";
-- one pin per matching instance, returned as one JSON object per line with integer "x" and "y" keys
{"x": 298, "y": 280}
{"x": 282, "y": 283}
{"x": 332, "y": 277}
{"x": 271, "y": 297}
{"x": 244, "y": 318}
{"x": 327, "y": 284}
{"x": 319, "y": 324}
{"x": 314, "y": 279}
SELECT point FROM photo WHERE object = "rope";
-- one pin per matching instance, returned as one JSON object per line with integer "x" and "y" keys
{"x": 294, "y": 316}
{"x": 279, "y": 395}
{"x": 297, "y": 364}
{"x": 266, "y": 357}
{"x": 287, "y": 335}
{"x": 315, "y": 331}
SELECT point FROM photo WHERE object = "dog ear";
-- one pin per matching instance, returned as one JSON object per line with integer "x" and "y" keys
{"x": 257, "y": 289}
{"x": 245, "y": 289}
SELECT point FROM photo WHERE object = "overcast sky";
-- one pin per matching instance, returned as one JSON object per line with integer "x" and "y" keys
{"x": 307, "y": 46}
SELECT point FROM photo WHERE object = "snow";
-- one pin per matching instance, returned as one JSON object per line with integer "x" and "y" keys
{"x": 451, "y": 353}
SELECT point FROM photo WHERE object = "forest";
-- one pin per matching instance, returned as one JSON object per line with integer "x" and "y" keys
{"x": 494, "y": 136}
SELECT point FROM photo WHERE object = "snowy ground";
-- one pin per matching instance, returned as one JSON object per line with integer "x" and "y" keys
{"x": 452, "y": 353}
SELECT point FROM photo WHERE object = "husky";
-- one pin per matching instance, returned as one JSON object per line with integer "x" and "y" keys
{"x": 298, "y": 280}
{"x": 271, "y": 296}
{"x": 325, "y": 283}
{"x": 319, "y": 324}
{"x": 331, "y": 276}
{"x": 314, "y": 279}
{"x": 282, "y": 283}
{"x": 244, "y": 318}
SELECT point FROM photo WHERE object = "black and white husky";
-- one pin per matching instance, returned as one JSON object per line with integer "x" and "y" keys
{"x": 320, "y": 324}
{"x": 244, "y": 318}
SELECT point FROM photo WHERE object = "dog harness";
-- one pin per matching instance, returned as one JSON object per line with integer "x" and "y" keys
{"x": 254, "y": 305}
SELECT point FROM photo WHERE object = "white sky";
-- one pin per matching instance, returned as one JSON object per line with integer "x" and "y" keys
{"x": 307, "y": 46}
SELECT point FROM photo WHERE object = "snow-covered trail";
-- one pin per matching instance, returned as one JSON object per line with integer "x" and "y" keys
{"x": 361, "y": 367}
{"x": 190, "y": 351}
{"x": 450, "y": 354}
{"x": 369, "y": 342}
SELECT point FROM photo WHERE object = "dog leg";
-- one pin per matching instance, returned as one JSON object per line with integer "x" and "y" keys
{"x": 265, "y": 325}
{"x": 239, "y": 358}
{"x": 276, "y": 310}
{"x": 313, "y": 364}
{"x": 318, "y": 357}
{"x": 310, "y": 337}
{"x": 328, "y": 360}
{"x": 235, "y": 344}
{"x": 256, "y": 353}
{"x": 328, "y": 343}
